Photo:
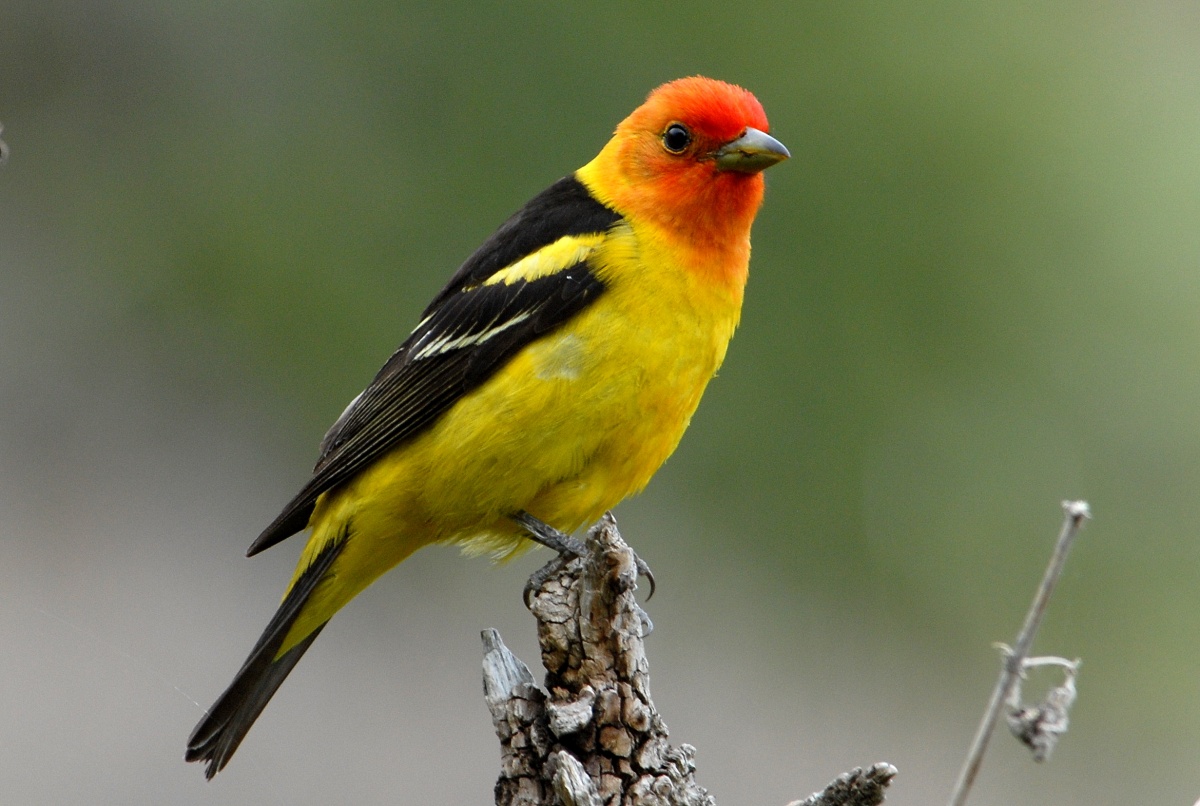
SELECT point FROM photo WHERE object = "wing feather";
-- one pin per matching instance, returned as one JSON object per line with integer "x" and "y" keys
{"x": 472, "y": 328}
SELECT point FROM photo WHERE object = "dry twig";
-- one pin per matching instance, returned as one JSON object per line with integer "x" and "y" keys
{"x": 1015, "y": 659}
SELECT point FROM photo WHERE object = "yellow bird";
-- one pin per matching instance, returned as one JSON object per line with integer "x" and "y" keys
{"x": 549, "y": 379}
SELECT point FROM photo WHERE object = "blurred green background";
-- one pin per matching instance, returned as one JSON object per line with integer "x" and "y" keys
{"x": 974, "y": 293}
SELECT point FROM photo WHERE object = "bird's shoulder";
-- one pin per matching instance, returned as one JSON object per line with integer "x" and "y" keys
{"x": 567, "y": 209}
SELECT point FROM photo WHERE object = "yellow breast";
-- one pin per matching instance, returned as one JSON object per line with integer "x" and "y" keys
{"x": 573, "y": 424}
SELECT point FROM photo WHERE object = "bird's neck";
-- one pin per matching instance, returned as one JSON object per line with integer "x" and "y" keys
{"x": 706, "y": 224}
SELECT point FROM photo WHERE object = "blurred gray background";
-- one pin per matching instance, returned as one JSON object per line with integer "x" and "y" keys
{"x": 974, "y": 293}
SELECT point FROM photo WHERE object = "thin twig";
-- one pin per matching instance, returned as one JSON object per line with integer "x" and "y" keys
{"x": 1075, "y": 513}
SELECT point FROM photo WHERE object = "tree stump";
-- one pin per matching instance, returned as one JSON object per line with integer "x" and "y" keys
{"x": 592, "y": 736}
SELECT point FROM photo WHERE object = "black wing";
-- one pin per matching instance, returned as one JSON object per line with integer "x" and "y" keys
{"x": 467, "y": 333}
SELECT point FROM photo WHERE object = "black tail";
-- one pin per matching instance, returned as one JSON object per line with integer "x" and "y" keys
{"x": 225, "y": 725}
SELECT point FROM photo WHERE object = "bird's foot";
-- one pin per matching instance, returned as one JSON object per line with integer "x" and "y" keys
{"x": 567, "y": 548}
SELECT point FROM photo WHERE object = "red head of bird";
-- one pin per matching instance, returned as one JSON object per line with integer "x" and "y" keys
{"x": 689, "y": 161}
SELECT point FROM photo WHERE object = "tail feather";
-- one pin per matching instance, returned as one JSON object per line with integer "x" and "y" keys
{"x": 222, "y": 729}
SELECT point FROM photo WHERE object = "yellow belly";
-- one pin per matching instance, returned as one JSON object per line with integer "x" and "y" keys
{"x": 567, "y": 429}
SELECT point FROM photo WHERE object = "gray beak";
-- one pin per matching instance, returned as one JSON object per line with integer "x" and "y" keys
{"x": 752, "y": 152}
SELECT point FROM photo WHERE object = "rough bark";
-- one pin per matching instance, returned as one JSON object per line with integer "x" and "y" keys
{"x": 593, "y": 736}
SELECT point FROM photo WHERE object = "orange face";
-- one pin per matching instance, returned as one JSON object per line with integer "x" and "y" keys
{"x": 689, "y": 159}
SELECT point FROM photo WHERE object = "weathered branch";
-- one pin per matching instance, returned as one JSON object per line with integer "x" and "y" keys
{"x": 593, "y": 736}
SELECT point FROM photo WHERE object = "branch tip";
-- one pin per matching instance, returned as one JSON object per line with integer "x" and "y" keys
{"x": 855, "y": 788}
{"x": 1077, "y": 511}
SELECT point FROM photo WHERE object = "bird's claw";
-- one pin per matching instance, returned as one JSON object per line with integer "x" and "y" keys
{"x": 540, "y": 576}
{"x": 644, "y": 571}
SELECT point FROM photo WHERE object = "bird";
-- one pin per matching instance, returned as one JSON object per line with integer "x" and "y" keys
{"x": 546, "y": 382}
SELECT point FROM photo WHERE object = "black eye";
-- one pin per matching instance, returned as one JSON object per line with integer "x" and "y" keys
{"x": 676, "y": 138}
